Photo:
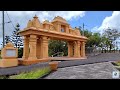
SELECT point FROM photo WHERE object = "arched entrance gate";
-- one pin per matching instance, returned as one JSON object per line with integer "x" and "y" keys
{"x": 37, "y": 35}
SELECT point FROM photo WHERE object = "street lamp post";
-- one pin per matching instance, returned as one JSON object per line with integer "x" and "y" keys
{"x": 83, "y": 29}
{"x": 3, "y": 29}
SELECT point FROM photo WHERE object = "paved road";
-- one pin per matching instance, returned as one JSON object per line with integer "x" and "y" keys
{"x": 19, "y": 69}
{"x": 102, "y": 70}
{"x": 93, "y": 59}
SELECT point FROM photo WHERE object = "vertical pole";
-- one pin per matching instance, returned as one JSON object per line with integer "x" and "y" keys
{"x": 3, "y": 28}
{"x": 83, "y": 29}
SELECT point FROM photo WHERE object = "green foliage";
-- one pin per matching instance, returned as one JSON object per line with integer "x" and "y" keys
{"x": 118, "y": 63}
{"x": 32, "y": 74}
{"x": 16, "y": 38}
{"x": 94, "y": 39}
{"x": 3, "y": 77}
{"x": 109, "y": 37}
{"x": 57, "y": 46}
{"x": 7, "y": 39}
{"x": 105, "y": 41}
{"x": 86, "y": 33}
{"x": 20, "y": 52}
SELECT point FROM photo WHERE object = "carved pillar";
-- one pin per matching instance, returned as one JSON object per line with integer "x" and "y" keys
{"x": 67, "y": 29}
{"x": 70, "y": 49}
{"x": 38, "y": 51}
{"x": 82, "y": 49}
{"x": 44, "y": 47}
{"x": 26, "y": 48}
{"x": 78, "y": 42}
{"x": 58, "y": 27}
{"x": 32, "y": 43}
{"x": 77, "y": 49}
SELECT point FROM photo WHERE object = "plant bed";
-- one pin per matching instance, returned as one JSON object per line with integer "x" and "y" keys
{"x": 34, "y": 74}
{"x": 45, "y": 75}
{"x": 116, "y": 65}
{"x": 53, "y": 65}
{"x": 3, "y": 77}
{"x": 26, "y": 62}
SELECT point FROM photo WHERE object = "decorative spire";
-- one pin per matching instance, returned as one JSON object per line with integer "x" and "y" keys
{"x": 35, "y": 22}
{"x": 9, "y": 44}
{"x": 35, "y": 16}
{"x": 29, "y": 24}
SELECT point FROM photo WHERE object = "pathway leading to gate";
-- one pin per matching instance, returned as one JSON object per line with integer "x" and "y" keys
{"x": 104, "y": 57}
{"x": 96, "y": 67}
{"x": 94, "y": 59}
{"x": 89, "y": 71}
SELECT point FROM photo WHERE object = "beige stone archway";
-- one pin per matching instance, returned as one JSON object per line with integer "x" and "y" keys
{"x": 37, "y": 34}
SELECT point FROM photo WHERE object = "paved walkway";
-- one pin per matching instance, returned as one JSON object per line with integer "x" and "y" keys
{"x": 19, "y": 69}
{"x": 100, "y": 58}
{"x": 90, "y": 71}
{"x": 104, "y": 57}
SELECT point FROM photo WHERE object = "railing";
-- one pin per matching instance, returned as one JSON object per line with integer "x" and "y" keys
{"x": 92, "y": 51}
{"x": 58, "y": 54}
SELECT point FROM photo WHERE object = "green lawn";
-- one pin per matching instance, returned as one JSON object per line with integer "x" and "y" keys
{"x": 3, "y": 77}
{"x": 118, "y": 63}
{"x": 32, "y": 75}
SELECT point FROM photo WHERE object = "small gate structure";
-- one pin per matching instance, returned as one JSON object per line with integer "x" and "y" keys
{"x": 9, "y": 56}
{"x": 37, "y": 34}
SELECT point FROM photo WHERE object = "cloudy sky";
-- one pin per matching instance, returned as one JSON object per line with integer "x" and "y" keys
{"x": 95, "y": 21}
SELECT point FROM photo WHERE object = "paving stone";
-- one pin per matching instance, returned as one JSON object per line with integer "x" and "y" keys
{"x": 90, "y": 71}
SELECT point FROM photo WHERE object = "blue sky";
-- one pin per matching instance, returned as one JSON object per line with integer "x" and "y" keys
{"x": 91, "y": 19}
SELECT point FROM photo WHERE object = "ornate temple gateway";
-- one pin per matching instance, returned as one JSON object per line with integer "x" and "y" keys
{"x": 37, "y": 34}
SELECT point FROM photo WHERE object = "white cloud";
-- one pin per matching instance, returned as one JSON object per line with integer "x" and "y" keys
{"x": 22, "y": 18}
{"x": 112, "y": 21}
{"x": 95, "y": 29}
{"x": 68, "y": 15}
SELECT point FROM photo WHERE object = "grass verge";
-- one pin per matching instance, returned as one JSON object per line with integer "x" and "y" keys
{"x": 116, "y": 63}
{"x": 35, "y": 74}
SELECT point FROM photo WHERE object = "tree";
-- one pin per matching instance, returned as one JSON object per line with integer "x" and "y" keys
{"x": 105, "y": 43}
{"x": 7, "y": 39}
{"x": 20, "y": 52}
{"x": 16, "y": 38}
{"x": 94, "y": 39}
{"x": 56, "y": 46}
{"x": 112, "y": 35}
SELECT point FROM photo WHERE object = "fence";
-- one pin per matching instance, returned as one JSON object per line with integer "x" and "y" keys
{"x": 91, "y": 51}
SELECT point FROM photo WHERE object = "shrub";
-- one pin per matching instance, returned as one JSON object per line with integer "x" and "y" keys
{"x": 20, "y": 52}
